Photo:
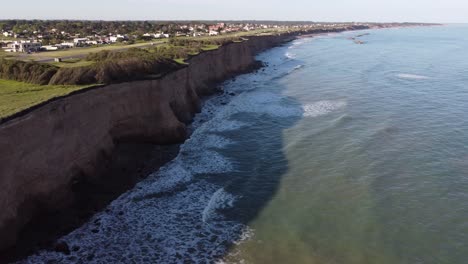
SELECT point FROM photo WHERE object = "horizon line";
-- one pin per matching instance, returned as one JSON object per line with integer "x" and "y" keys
{"x": 226, "y": 20}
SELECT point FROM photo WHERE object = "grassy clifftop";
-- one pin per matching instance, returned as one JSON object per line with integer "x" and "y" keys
{"x": 16, "y": 96}
{"x": 26, "y": 84}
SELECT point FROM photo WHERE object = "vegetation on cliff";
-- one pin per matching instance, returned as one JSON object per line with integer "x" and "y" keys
{"x": 31, "y": 72}
{"x": 16, "y": 96}
{"x": 25, "y": 84}
{"x": 111, "y": 66}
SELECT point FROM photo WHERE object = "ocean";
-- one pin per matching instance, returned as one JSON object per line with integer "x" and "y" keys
{"x": 335, "y": 152}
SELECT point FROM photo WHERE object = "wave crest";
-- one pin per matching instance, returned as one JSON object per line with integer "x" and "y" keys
{"x": 322, "y": 108}
{"x": 412, "y": 76}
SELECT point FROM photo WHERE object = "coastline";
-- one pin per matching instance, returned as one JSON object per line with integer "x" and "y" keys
{"x": 153, "y": 165}
{"x": 123, "y": 167}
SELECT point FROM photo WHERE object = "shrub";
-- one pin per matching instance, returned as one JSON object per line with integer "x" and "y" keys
{"x": 31, "y": 72}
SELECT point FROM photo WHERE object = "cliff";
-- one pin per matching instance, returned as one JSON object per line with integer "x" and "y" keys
{"x": 44, "y": 151}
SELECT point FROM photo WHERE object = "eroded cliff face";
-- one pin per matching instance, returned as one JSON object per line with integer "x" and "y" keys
{"x": 44, "y": 151}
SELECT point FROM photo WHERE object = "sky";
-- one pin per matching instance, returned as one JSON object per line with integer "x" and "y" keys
{"x": 441, "y": 11}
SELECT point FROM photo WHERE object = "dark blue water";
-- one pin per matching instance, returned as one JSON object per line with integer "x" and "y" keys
{"x": 334, "y": 153}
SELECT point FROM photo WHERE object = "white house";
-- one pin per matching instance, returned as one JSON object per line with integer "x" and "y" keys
{"x": 93, "y": 42}
{"x": 50, "y": 47}
{"x": 80, "y": 41}
{"x": 67, "y": 44}
{"x": 161, "y": 35}
{"x": 114, "y": 39}
{"x": 23, "y": 46}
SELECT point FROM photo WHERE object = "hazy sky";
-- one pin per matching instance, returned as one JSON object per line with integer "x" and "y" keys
{"x": 444, "y": 11}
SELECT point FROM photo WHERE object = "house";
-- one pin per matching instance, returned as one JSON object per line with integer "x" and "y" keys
{"x": 67, "y": 45}
{"x": 117, "y": 38}
{"x": 93, "y": 42}
{"x": 23, "y": 46}
{"x": 214, "y": 28}
{"x": 80, "y": 41}
{"x": 50, "y": 47}
{"x": 114, "y": 39}
{"x": 161, "y": 35}
{"x": 213, "y": 33}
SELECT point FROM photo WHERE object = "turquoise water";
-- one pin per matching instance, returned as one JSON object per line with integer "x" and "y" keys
{"x": 376, "y": 170}
{"x": 334, "y": 153}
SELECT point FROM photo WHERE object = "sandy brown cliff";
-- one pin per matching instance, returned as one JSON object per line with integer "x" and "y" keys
{"x": 44, "y": 151}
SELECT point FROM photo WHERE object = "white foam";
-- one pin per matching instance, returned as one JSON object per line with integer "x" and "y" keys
{"x": 322, "y": 108}
{"x": 207, "y": 162}
{"x": 247, "y": 234}
{"x": 290, "y": 55}
{"x": 228, "y": 125}
{"x": 233, "y": 256}
{"x": 166, "y": 179}
{"x": 300, "y": 42}
{"x": 220, "y": 200}
{"x": 297, "y": 67}
{"x": 261, "y": 102}
{"x": 412, "y": 76}
{"x": 204, "y": 141}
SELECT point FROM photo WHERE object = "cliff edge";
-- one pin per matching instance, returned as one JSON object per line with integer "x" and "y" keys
{"x": 45, "y": 151}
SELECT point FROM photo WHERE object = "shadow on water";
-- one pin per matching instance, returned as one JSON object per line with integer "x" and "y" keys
{"x": 262, "y": 163}
{"x": 259, "y": 158}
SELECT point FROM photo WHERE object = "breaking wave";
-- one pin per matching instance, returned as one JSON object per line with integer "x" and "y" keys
{"x": 412, "y": 76}
{"x": 322, "y": 108}
{"x": 290, "y": 55}
{"x": 219, "y": 200}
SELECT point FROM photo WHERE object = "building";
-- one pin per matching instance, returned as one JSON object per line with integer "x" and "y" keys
{"x": 114, "y": 39}
{"x": 80, "y": 41}
{"x": 24, "y": 46}
{"x": 49, "y": 47}
{"x": 161, "y": 35}
{"x": 118, "y": 38}
{"x": 65, "y": 45}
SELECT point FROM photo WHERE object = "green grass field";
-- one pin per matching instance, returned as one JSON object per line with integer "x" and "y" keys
{"x": 181, "y": 61}
{"x": 16, "y": 96}
{"x": 210, "y": 47}
{"x": 4, "y": 54}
